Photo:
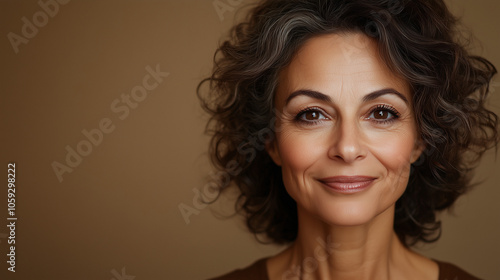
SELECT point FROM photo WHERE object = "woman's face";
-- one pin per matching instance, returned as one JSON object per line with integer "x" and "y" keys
{"x": 347, "y": 134}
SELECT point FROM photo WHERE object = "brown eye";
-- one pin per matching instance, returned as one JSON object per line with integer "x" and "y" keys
{"x": 380, "y": 114}
{"x": 311, "y": 115}
{"x": 383, "y": 113}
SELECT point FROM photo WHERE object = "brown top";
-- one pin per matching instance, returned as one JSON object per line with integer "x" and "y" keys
{"x": 258, "y": 271}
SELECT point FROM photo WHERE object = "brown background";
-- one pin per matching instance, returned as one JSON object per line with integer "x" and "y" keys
{"x": 119, "y": 208}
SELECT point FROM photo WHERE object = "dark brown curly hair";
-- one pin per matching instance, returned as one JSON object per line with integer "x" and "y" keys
{"x": 419, "y": 39}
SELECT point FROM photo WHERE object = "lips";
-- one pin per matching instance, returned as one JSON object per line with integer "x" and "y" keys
{"x": 348, "y": 184}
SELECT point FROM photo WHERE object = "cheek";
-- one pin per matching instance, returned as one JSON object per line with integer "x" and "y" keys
{"x": 299, "y": 151}
{"x": 395, "y": 156}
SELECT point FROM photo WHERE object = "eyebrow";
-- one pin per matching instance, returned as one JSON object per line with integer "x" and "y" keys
{"x": 323, "y": 97}
{"x": 311, "y": 93}
{"x": 374, "y": 95}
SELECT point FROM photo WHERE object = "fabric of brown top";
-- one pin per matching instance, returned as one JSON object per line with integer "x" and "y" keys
{"x": 258, "y": 271}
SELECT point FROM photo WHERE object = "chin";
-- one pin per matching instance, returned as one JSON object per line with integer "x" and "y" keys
{"x": 354, "y": 215}
{"x": 346, "y": 210}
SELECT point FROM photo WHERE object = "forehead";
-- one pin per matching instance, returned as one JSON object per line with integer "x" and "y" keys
{"x": 334, "y": 63}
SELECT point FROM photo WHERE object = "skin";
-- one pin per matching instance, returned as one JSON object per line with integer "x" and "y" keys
{"x": 344, "y": 113}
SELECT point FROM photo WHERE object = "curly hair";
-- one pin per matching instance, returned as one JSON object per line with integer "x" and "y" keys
{"x": 420, "y": 40}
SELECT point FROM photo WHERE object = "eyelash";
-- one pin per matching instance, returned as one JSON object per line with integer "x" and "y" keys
{"x": 382, "y": 107}
{"x": 395, "y": 114}
{"x": 298, "y": 117}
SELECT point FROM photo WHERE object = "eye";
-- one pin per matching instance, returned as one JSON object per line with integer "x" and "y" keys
{"x": 383, "y": 113}
{"x": 311, "y": 115}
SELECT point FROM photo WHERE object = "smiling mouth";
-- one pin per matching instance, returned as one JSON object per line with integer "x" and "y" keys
{"x": 348, "y": 184}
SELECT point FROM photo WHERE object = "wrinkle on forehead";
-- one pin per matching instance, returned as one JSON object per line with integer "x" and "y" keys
{"x": 358, "y": 68}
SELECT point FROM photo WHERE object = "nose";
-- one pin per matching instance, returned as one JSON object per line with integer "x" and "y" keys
{"x": 347, "y": 144}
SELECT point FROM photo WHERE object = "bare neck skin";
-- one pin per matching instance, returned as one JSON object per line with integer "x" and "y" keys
{"x": 369, "y": 251}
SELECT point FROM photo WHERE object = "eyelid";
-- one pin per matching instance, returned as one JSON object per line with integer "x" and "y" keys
{"x": 309, "y": 109}
{"x": 385, "y": 107}
{"x": 312, "y": 108}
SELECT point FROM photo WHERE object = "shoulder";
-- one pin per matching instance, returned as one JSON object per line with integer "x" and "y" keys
{"x": 256, "y": 271}
{"x": 448, "y": 271}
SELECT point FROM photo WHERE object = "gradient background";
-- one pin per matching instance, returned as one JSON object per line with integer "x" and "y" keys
{"x": 119, "y": 208}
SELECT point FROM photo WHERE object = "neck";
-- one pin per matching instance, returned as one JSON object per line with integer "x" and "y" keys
{"x": 368, "y": 251}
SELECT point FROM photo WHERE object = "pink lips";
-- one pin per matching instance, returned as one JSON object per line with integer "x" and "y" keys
{"x": 348, "y": 184}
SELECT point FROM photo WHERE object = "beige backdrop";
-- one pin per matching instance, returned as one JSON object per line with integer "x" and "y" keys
{"x": 114, "y": 212}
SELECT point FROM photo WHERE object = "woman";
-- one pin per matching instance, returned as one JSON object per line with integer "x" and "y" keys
{"x": 346, "y": 126}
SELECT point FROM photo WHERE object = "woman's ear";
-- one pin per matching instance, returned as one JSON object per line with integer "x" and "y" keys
{"x": 273, "y": 152}
{"x": 418, "y": 150}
